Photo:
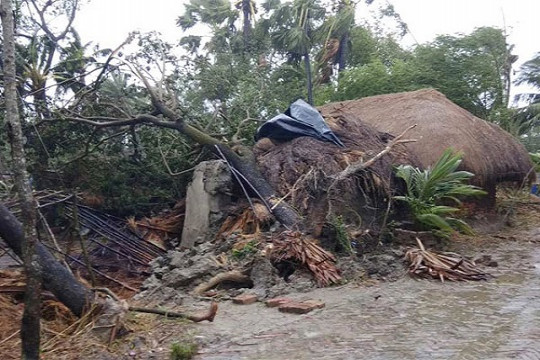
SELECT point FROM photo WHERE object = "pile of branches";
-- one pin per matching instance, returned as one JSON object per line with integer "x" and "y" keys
{"x": 443, "y": 266}
{"x": 293, "y": 246}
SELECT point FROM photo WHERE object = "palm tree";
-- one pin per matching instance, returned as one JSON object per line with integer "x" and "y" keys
{"x": 529, "y": 116}
{"x": 293, "y": 34}
{"x": 248, "y": 9}
{"x": 336, "y": 31}
{"x": 530, "y": 75}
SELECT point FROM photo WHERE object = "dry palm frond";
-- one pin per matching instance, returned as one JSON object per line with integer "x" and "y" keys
{"x": 159, "y": 229}
{"x": 294, "y": 246}
{"x": 443, "y": 266}
{"x": 249, "y": 222}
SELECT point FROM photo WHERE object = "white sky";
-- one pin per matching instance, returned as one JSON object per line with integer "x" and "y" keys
{"x": 108, "y": 22}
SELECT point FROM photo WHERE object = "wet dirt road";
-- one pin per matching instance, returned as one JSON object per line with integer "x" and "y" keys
{"x": 405, "y": 319}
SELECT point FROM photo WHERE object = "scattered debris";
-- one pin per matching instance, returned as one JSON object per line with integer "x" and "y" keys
{"x": 164, "y": 229}
{"x": 233, "y": 275}
{"x": 449, "y": 266}
{"x": 275, "y": 302}
{"x": 301, "y": 307}
{"x": 245, "y": 299}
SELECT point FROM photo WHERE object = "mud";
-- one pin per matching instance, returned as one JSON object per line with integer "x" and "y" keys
{"x": 403, "y": 319}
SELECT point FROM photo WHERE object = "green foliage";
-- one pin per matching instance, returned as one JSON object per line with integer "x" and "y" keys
{"x": 249, "y": 249}
{"x": 536, "y": 161}
{"x": 183, "y": 351}
{"x": 342, "y": 237}
{"x": 471, "y": 70}
{"x": 428, "y": 190}
{"x": 226, "y": 83}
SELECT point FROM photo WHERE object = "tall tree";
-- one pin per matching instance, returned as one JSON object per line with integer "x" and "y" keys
{"x": 30, "y": 328}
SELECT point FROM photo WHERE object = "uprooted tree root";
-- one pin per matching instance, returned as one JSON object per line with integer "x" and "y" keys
{"x": 443, "y": 266}
{"x": 233, "y": 276}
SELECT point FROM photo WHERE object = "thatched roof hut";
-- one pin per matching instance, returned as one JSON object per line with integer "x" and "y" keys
{"x": 491, "y": 153}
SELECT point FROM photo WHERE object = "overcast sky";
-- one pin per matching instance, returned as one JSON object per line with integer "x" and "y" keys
{"x": 108, "y": 22}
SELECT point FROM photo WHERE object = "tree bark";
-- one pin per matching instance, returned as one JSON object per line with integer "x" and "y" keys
{"x": 30, "y": 327}
{"x": 56, "y": 278}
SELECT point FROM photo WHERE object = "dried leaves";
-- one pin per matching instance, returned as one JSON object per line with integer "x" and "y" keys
{"x": 443, "y": 266}
{"x": 294, "y": 246}
{"x": 160, "y": 229}
{"x": 249, "y": 222}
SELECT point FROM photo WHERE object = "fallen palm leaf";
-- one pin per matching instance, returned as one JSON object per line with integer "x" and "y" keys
{"x": 249, "y": 222}
{"x": 294, "y": 246}
{"x": 443, "y": 266}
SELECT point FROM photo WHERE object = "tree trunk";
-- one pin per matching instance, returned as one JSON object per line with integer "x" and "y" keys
{"x": 246, "y": 165}
{"x": 56, "y": 278}
{"x": 343, "y": 52}
{"x": 307, "y": 64}
{"x": 30, "y": 327}
{"x": 246, "y": 28}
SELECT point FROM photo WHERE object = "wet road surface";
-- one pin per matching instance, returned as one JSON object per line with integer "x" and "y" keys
{"x": 405, "y": 319}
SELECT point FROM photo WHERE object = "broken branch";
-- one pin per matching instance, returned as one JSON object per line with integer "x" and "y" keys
{"x": 359, "y": 166}
{"x": 209, "y": 315}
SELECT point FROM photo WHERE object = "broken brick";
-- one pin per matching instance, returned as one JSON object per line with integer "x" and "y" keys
{"x": 315, "y": 303}
{"x": 275, "y": 302}
{"x": 303, "y": 307}
{"x": 245, "y": 299}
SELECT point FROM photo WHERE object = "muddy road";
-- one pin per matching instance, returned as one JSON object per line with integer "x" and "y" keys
{"x": 404, "y": 319}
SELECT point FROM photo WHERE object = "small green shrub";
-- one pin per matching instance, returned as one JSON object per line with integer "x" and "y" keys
{"x": 535, "y": 157}
{"x": 428, "y": 189}
{"x": 248, "y": 249}
{"x": 183, "y": 351}
{"x": 342, "y": 237}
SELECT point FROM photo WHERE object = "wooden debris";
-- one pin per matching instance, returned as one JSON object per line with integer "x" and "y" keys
{"x": 234, "y": 276}
{"x": 249, "y": 222}
{"x": 208, "y": 315}
{"x": 443, "y": 266}
{"x": 294, "y": 246}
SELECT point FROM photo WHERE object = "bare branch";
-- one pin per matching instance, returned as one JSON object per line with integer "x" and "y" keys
{"x": 359, "y": 166}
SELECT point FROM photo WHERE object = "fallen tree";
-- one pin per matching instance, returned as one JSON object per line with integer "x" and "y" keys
{"x": 56, "y": 278}
{"x": 63, "y": 285}
{"x": 242, "y": 161}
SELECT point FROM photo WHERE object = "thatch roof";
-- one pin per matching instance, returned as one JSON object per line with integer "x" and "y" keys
{"x": 491, "y": 153}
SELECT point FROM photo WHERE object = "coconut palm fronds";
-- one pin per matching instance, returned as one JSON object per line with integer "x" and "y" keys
{"x": 294, "y": 246}
{"x": 443, "y": 266}
{"x": 249, "y": 222}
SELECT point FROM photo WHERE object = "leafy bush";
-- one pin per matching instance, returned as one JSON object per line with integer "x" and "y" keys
{"x": 183, "y": 351}
{"x": 428, "y": 190}
{"x": 535, "y": 157}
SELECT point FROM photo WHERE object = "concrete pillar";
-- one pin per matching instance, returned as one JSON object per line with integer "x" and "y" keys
{"x": 207, "y": 195}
